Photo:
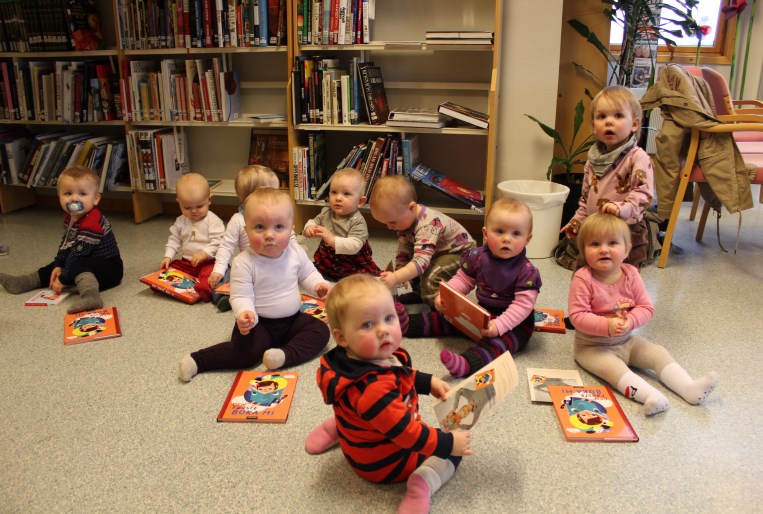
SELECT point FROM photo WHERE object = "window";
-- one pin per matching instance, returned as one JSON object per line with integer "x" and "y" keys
{"x": 716, "y": 45}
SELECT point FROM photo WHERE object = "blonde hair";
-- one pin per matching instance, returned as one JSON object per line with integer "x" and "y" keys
{"x": 621, "y": 96}
{"x": 510, "y": 205}
{"x": 350, "y": 173}
{"x": 266, "y": 196}
{"x": 598, "y": 224}
{"x": 393, "y": 188}
{"x": 253, "y": 176}
{"x": 78, "y": 172}
{"x": 346, "y": 292}
{"x": 190, "y": 183}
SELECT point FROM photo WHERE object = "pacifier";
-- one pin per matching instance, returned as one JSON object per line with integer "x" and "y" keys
{"x": 74, "y": 207}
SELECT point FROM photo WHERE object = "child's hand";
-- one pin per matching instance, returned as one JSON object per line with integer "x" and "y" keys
{"x": 388, "y": 279}
{"x": 165, "y": 264}
{"x": 309, "y": 231}
{"x": 616, "y": 326}
{"x": 570, "y": 231}
{"x": 246, "y": 322}
{"x": 462, "y": 443}
{"x": 322, "y": 290}
{"x": 54, "y": 277}
{"x": 610, "y": 208}
{"x": 198, "y": 258}
{"x": 439, "y": 388}
{"x": 56, "y": 285}
{"x": 491, "y": 330}
{"x": 214, "y": 279}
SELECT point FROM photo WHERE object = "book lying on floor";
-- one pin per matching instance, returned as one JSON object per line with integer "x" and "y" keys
{"x": 473, "y": 398}
{"x": 539, "y": 379}
{"x": 463, "y": 313}
{"x": 444, "y": 184}
{"x": 315, "y": 307}
{"x": 259, "y": 397}
{"x": 549, "y": 320}
{"x": 173, "y": 282}
{"x": 46, "y": 297}
{"x": 590, "y": 413}
{"x": 83, "y": 327}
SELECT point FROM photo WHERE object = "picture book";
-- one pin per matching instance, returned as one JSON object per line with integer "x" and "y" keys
{"x": 173, "y": 282}
{"x": 549, "y": 320}
{"x": 271, "y": 148}
{"x": 259, "y": 397}
{"x": 314, "y": 307}
{"x": 436, "y": 180}
{"x": 590, "y": 413}
{"x": 84, "y": 22}
{"x": 223, "y": 288}
{"x": 83, "y": 327}
{"x": 46, "y": 297}
{"x": 463, "y": 313}
{"x": 473, "y": 398}
{"x": 538, "y": 379}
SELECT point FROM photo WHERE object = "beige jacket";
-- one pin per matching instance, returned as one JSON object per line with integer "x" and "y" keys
{"x": 685, "y": 102}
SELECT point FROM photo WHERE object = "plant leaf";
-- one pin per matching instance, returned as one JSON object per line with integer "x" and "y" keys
{"x": 551, "y": 132}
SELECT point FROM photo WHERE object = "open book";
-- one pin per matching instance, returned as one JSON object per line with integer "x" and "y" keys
{"x": 473, "y": 398}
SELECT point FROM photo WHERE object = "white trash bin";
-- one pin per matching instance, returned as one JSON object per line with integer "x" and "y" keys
{"x": 546, "y": 201}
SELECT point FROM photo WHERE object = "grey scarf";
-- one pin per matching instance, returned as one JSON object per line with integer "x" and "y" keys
{"x": 602, "y": 162}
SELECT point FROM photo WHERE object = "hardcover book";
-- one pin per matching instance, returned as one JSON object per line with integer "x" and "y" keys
{"x": 374, "y": 94}
{"x": 463, "y": 313}
{"x": 436, "y": 180}
{"x": 84, "y": 23}
{"x": 473, "y": 398}
{"x": 314, "y": 307}
{"x": 590, "y": 413}
{"x": 46, "y": 297}
{"x": 259, "y": 397}
{"x": 538, "y": 379}
{"x": 459, "y": 112}
{"x": 549, "y": 320}
{"x": 174, "y": 283}
{"x": 271, "y": 148}
{"x": 83, "y": 327}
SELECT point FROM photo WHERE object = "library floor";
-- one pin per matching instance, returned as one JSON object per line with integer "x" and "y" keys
{"x": 107, "y": 426}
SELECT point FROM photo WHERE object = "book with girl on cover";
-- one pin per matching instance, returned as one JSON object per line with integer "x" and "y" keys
{"x": 259, "y": 397}
{"x": 549, "y": 320}
{"x": 463, "y": 313}
{"x": 83, "y": 327}
{"x": 174, "y": 283}
{"x": 590, "y": 413}
{"x": 539, "y": 379}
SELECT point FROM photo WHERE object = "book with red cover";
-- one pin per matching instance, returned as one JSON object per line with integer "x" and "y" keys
{"x": 173, "y": 282}
{"x": 83, "y": 327}
{"x": 260, "y": 397}
{"x": 84, "y": 24}
{"x": 549, "y": 320}
{"x": 590, "y": 413}
{"x": 462, "y": 312}
{"x": 46, "y": 297}
{"x": 444, "y": 184}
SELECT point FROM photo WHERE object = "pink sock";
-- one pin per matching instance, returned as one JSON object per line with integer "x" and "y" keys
{"x": 416, "y": 498}
{"x": 402, "y": 316}
{"x": 456, "y": 364}
{"x": 323, "y": 437}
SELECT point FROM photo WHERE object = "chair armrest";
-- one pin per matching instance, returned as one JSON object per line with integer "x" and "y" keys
{"x": 756, "y": 103}
{"x": 740, "y": 118}
{"x": 733, "y": 127}
{"x": 748, "y": 111}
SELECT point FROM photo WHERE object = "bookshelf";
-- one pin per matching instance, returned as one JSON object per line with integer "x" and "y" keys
{"x": 421, "y": 75}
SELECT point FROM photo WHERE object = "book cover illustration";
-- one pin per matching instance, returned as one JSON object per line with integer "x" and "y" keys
{"x": 436, "y": 180}
{"x": 173, "y": 282}
{"x": 463, "y": 313}
{"x": 315, "y": 307}
{"x": 590, "y": 413}
{"x": 271, "y": 149}
{"x": 46, "y": 297}
{"x": 538, "y": 379}
{"x": 549, "y": 320}
{"x": 259, "y": 397}
{"x": 473, "y": 398}
{"x": 83, "y": 327}
{"x": 374, "y": 94}
{"x": 84, "y": 25}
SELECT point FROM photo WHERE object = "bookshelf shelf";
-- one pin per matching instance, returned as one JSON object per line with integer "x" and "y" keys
{"x": 365, "y": 127}
{"x": 397, "y": 46}
{"x": 168, "y": 52}
{"x": 59, "y": 55}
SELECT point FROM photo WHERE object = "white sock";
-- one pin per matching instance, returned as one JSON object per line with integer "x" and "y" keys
{"x": 273, "y": 358}
{"x": 636, "y": 388}
{"x": 188, "y": 368}
{"x": 693, "y": 391}
{"x": 435, "y": 471}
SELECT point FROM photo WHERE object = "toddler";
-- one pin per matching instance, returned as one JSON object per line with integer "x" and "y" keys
{"x": 265, "y": 296}
{"x": 88, "y": 256}
{"x": 608, "y": 300}
{"x": 344, "y": 247}
{"x": 196, "y": 234}
{"x": 371, "y": 384}
{"x": 507, "y": 286}
{"x": 429, "y": 244}
{"x": 618, "y": 176}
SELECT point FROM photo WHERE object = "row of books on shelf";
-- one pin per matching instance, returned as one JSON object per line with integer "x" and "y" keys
{"x": 329, "y": 91}
{"x": 146, "y": 24}
{"x": 459, "y": 37}
{"x": 50, "y": 26}
{"x": 59, "y": 91}
{"x": 180, "y": 90}
{"x": 333, "y": 22}
{"x": 38, "y": 160}
{"x": 160, "y": 156}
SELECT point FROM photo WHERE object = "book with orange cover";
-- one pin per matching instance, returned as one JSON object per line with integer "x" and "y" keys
{"x": 260, "y": 397}
{"x": 175, "y": 283}
{"x": 590, "y": 413}
{"x": 463, "y": 313}
{"x": 549, "y": 320}
{"x": 83, "y": 327}
{"x": 314, "y": 307}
